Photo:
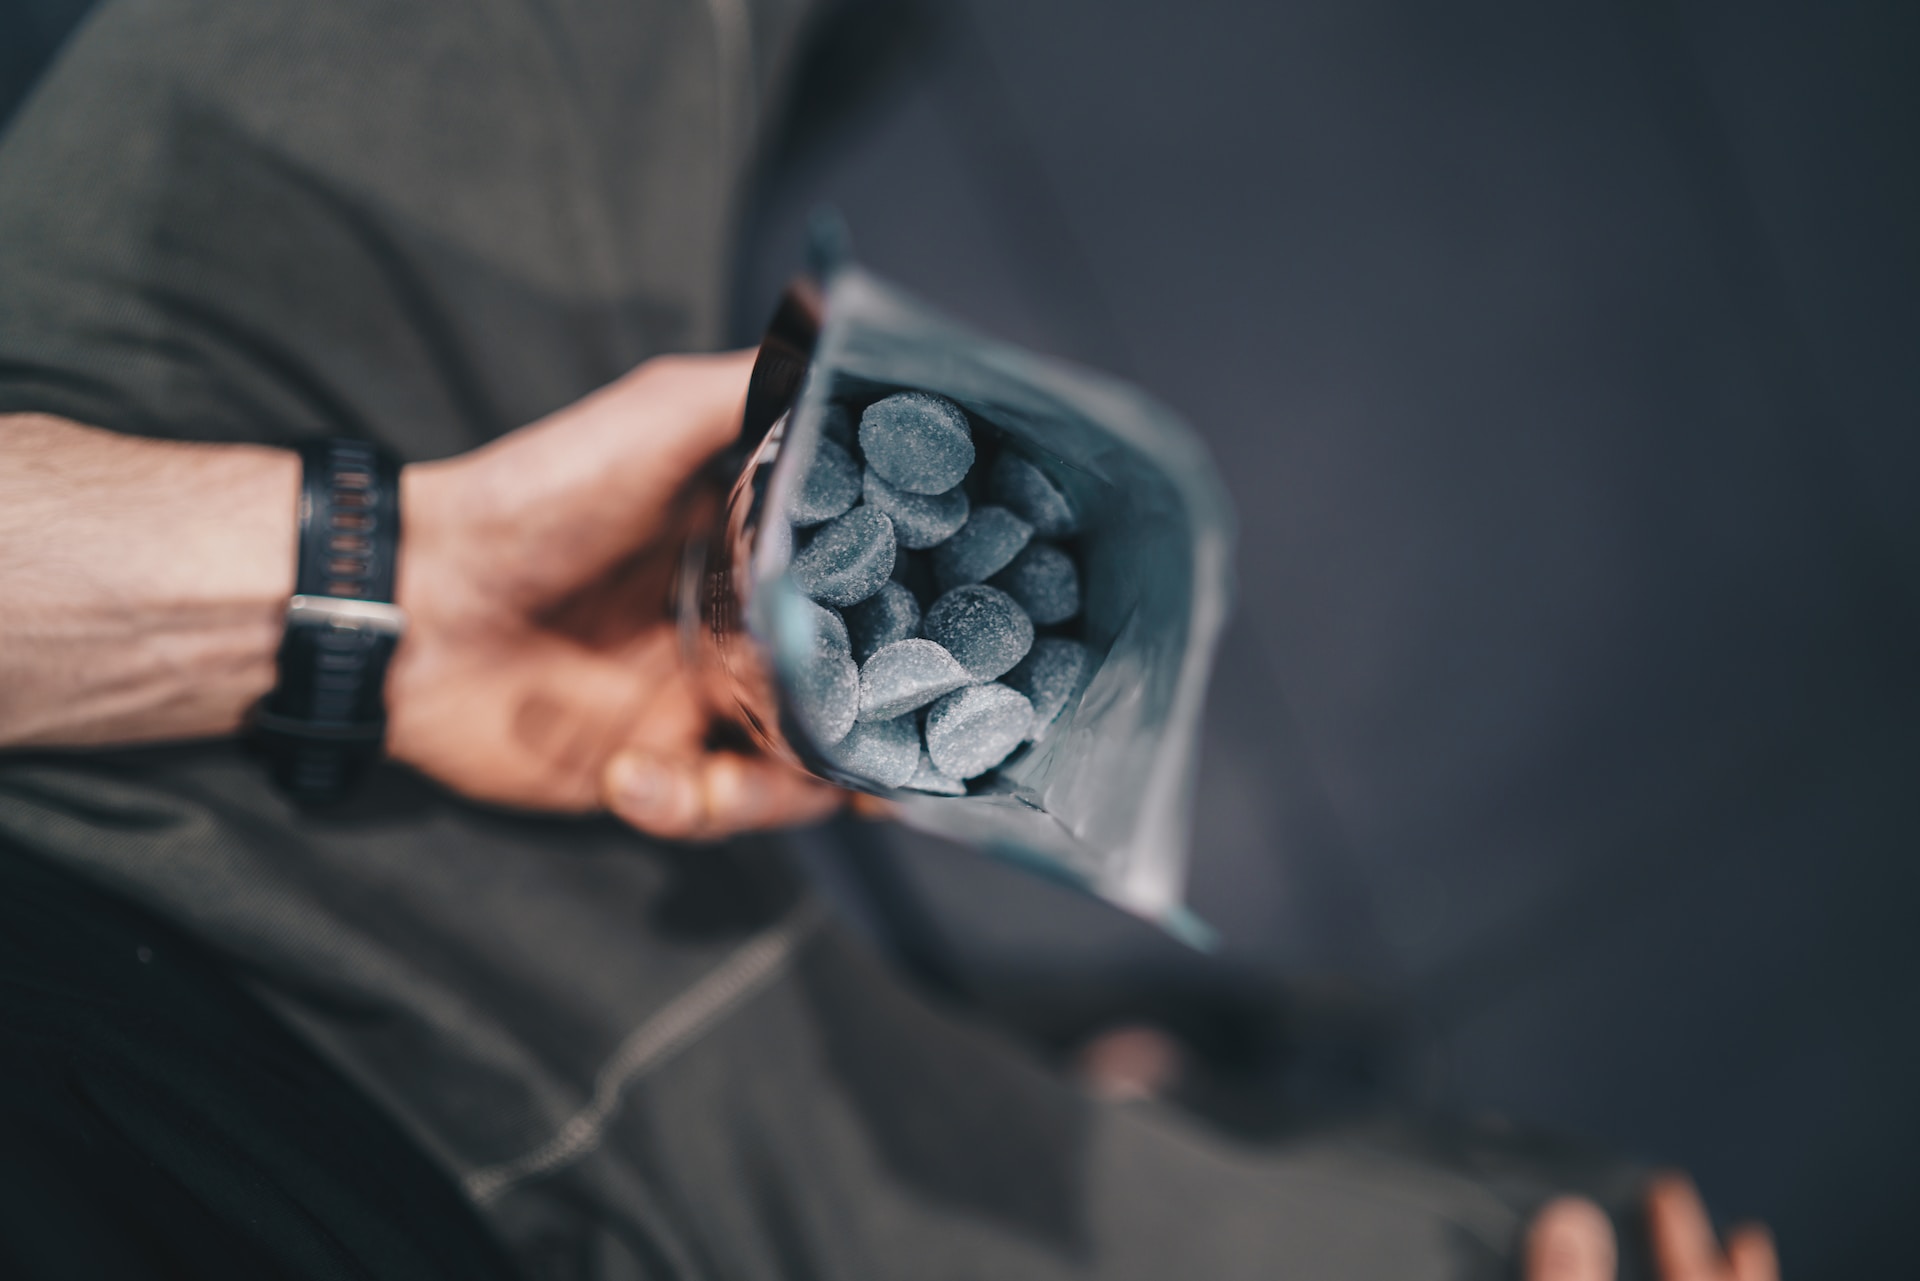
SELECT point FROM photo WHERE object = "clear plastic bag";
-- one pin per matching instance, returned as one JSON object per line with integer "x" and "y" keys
{"x": 1103, "y": 799}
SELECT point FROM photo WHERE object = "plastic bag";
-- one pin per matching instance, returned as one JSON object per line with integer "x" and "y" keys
{"x": 1102, "y": 800}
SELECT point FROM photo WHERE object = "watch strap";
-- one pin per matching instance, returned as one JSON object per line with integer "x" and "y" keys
{"x": 325, "y": 720}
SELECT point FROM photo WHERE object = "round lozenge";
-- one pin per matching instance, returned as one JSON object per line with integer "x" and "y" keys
{"x": 972, "y": 730}
{"x": 981, "y": 626}
{"x": 917, "y": 441}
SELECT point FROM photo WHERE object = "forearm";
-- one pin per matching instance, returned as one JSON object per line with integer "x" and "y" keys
{"x": 144, "y": 583}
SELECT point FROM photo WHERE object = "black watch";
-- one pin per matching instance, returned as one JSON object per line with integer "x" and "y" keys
{"x": 324, "y": 722}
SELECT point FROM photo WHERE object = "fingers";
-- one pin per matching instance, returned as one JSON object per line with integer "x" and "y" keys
{"x": 698, "y": 402}
{"x": 706, "y": 797}
{"x": 1571, "y": 1240}
{"x": 1751, "y": 1255}
{"x": 653, "y": 428}
{"x": 1684, "y": 1245}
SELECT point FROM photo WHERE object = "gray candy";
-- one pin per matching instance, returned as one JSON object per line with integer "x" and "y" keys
{"x": 928, "y": 779}
{"x": 826, "y": 695}
{"x": 985, "y": 545}
{"x": 972, "y": 730}
{"x": 886, "y": 752}
{"x": 1021, "y": 486}
{"x": 981, "y": 626}
{"x": 919, "y": 520}
{"x": 848, "y": 560}
{"x": 827, "y": 686}
{"x": 828, "y": 626}
{"x": 831, "y": 485}
{"x": 1042, "y": 578}
{"x": 890, "y": 614}
{"x": 1052, "y": 676}
{"x": 906, "y": 675}
{"x": 917, "y": 441}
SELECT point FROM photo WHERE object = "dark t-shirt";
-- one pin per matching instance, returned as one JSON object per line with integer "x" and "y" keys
{"x": 156, "y": 1121}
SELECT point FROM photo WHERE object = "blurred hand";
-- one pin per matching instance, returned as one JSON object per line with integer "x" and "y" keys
{"x": 542, "y": 666}
{"x": 1571, "y": 1240}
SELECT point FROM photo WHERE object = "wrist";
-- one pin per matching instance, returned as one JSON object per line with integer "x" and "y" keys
{"x": 256, "y": 538}
{"x": 430, "y": 584}
{"x": 210, "y": 639}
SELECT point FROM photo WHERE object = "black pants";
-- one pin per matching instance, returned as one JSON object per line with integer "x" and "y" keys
{"x": 257, "y": 220}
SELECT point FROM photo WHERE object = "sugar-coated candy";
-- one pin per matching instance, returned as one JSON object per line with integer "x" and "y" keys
{"x": 836, "y": 425}
{"x": 928, "y": 779}
{"x": 906, "y": 675}
{"x": 827, "y": 684}
{"x": 886, "y": 752}
{"x": 1019, "y": 485}
{"x": 972, "y": 730}
{"x": 1045, "y": 583}
{"x": 917, "y": 441}
{"x": 826, "y": 694}
{"x": 849, "y": 559}
{"x": 890, "y": 614}
{"x": 1051, "y": 676}
{"x": 919, "y": 520}
{"x": 985, "y": 545}
{"x": 828, "y": 627}
{"x": 831, "y": 485}
{"x": 981, "y": 626}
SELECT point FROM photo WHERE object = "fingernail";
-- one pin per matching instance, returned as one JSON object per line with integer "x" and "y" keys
{"x": 738, "y": 795}
{"x": 1571, "y": 1240}
{"x": 640, "y": 786}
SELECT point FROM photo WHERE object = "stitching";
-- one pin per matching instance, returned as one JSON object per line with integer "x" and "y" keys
{"x": 671, "y": 1029}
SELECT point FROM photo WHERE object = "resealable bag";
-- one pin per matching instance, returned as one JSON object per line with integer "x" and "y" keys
{"x": 1103, "y": 798}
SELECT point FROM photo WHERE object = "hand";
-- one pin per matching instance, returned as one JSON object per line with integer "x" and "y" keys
{"x": 542, "y": 665}
{"x": 1571, "y": 1240}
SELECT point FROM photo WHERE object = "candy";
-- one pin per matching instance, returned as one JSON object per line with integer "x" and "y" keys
{"x": 972, "y": 730}
{"x": 1026, "y": 490}
{"x": 917, "y": 442}
{"x": 1051, "y": 676}
{"x": 890, "y": 614}
{"x": 919, "y": 520}
{"x": 826, "y": 695}
{"x": 831, "y": 485}
{"x": 848, "y": 560}
{"x": 928, "y": 779}
{"x": 827, "y": 684}
{"x": 985, "y": 545}
{"x": 982, "y": 627}
{"x": 828, "y": 627}
{"x": 885, "y": 752}
{"x": 940, "y": 596}
{"x": 1045, "y": 583}
{"x": 905, "y": 675}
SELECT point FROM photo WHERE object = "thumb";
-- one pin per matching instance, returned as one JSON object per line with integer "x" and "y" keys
{"x": 589, "y": 485}
{"x": 676, "y": 412}
{"x": 711, "y": 796}
{"x": 1571, "y": 1240}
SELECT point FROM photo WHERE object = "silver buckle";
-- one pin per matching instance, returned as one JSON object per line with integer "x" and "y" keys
{"x": 348, "y": 614}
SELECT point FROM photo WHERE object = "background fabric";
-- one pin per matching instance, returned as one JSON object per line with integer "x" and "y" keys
{"x": 1558, "y": 360}
{"x": 268, "y": 220}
